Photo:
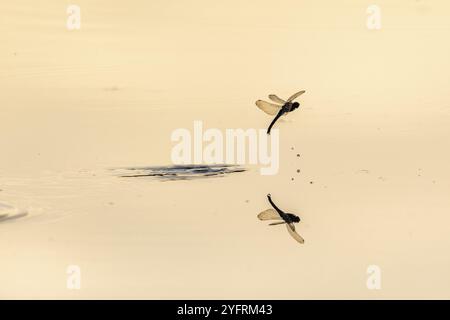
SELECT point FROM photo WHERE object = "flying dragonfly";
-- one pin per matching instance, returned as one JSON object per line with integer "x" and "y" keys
{"x": 281, "y": 108}
{"x": 287, "y": 218}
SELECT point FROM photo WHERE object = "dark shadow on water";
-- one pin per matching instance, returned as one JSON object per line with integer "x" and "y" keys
{"x": 179, "y": 172}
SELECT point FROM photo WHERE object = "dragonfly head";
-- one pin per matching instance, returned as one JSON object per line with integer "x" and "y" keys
{"x": 295, "y": 105}
{"x": 294, "y": 218}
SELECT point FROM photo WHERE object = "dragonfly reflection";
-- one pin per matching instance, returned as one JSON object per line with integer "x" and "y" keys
{"x": 287, "y": 218}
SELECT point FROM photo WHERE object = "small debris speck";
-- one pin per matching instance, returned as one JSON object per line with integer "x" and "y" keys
{"x": 298, "y": 170}
{"x": 298, "y": 155}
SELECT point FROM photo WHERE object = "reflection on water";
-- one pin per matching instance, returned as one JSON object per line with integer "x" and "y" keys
{"x": 9, "y": 213}
{"x": 179, "y": 172}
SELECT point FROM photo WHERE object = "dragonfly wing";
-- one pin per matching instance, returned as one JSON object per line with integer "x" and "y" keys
{"x": 276, "y": 223}
{"x": 291, "y": 229}
{"x": 277, "y": 99}
{"x": 7, "y": 217}
{"x": 267, "y": 107}
{"x": 269, "y": 214}
{"x": 295, "y": 95}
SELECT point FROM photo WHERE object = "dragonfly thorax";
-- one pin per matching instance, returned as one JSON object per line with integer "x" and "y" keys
{"x": 293, "y": 218}
{"x": 295, "y": 105}
{"x": 291, "y": 106}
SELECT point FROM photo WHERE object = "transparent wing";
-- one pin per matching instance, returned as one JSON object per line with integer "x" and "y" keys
{"x": 295, "y": 95}
{"x": 269, "y": 214}
{"x": 277, "y": 99}
{"x": 268, "y": 107}
{"x": 291, "y": 229}
{"x": 276, "y": 223}
{"x": 7, "y": 217}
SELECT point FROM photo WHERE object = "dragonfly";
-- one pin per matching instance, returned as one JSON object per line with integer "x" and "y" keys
{"x": 287, "y": 218}
{"x": 281, "y": 107}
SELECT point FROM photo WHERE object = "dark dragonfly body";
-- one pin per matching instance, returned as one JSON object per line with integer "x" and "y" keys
{"x": 286, "y": 108}
{"x": 281, "y": 107}
{"x": 287, "y": 217}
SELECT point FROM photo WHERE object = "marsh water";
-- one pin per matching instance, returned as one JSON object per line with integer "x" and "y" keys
{"x": 363, "y": 161}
